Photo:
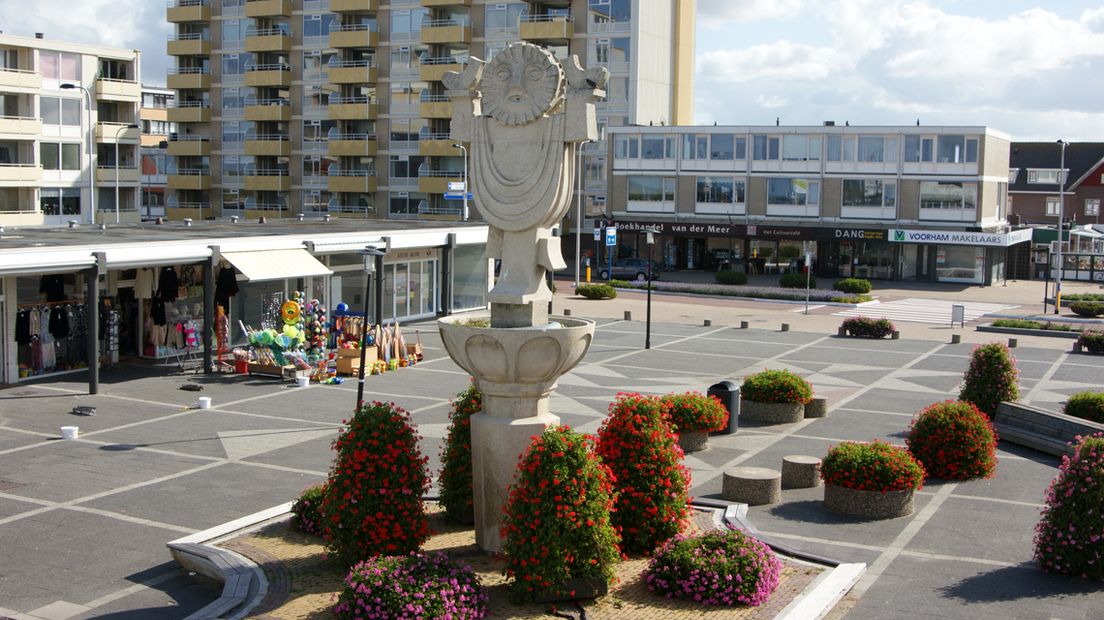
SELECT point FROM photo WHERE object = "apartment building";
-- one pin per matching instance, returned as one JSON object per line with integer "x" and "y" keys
{"x": 68, "y": 132}
{"x": 156, "y": 131}
{"x": 337, "y": 106}
{"x": 896, "y": 203}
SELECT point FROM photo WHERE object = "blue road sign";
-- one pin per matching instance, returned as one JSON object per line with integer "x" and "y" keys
{"x": 611, "y": 236}
{"x": 452, "y": 196}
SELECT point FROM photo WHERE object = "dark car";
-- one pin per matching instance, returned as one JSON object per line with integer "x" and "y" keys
{"x": 629, "y": 269}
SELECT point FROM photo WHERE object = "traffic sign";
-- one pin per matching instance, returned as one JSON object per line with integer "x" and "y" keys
{"x": 456, "y": 186}
{"x": 597, "y": 234}
{"x": 456, "y": 196}
{"x": 611, "y": 236}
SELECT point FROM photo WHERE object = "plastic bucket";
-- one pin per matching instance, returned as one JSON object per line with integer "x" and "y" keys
{"x": 302, "y": 381}
{"x": 70, "y": 432}
{"x": 204, "y": 402}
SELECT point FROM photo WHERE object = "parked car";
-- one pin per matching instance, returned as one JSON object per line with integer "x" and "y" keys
{"x": 629, "y": 269}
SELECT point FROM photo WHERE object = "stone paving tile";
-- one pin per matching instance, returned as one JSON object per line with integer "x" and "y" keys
{"x": 11, "y": 506}
{"x": 894, "y": 401}
{"x": 962, "y": 523}
{"x": 860, "y": 425}
{"x": 883, "y": 359}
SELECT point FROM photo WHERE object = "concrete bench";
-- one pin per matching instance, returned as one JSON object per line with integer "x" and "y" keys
{"x": 754, "y": 486}
{"x": 1039, "y": 429}
{"x": 800, "y": 471}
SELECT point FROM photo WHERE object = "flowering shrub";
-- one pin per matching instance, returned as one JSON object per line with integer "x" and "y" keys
{"x": 411, "y": 586}
{"x": 776, "y": 386}
{"x": 859, "y": 286}
{"x": 716, "y": 568}
{"x": 455, "y": 480}
{"x": 693, "y": 411}
{"x": 374, "y": 500}
{"x": 306, "y": 515}
{"x": 1069, "y": 538}
{"x": 875, "y": 466}
{"x": 991, "y": 378}
{"x": 866, "y": 327}
{"x": 638, "y": 444}
{"x": 1086, "y": 405}
{"x": 954, "y": 440}
{"x": 556, "y": 523}
{"x": 1092, "y": 340}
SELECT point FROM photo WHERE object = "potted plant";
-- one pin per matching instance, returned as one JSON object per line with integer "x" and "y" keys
{"x": 872, "y": 480}
{"x": 719, "y": 567}
{"x": 1069, "y": 536}
{"x": 774, "y": 397}
{"x": 1090, "y": 341}
{"x": 953, "y": 440}
{"x": 693, "y": 416}
{"x": 991, "y": 379}
{"x": 866, "y": 327}
{"x": 455, "y": 480}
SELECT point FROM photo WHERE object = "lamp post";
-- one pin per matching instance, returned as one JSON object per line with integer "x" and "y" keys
{"x": 91, "y": 169}
{"x": 464, "y": 151}
{"x": 648, "y": 312}
{"x": 1061, "y": 225}
{"x": 579, "y": 209}
{"x": 117, "y": 132}
{"x": 369, "y": 253}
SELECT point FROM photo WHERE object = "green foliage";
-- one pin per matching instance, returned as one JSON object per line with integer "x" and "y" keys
{"x": 730, "y": 277}
{"x": 306, "y": 512}
{"x": 866, "y": 327}
{"x": 1082, "y": 297}
{"x": 1092, "y": 340}
{"x": 596, "y": 291}
{"x": 556, "y": 522}
{"x": 1070, "y": 534}
{"x": 1029, "y": 324}
{"x": 858, "y": 286}
{"x": 789, "y": 251}
{"x": 373, "y": 503}
{"x": 991, "y": 378}
{"x": 954, "y": 440}
{"x": 875, "y": 466}
{"x": 1088, "y": 309}
{"x": 694, "y": 411}
{"x": 1087, "y": 406}
{"x": 776, "y": 386}
{"x": 796, "y": 280}
{"x": 455, "y": 480}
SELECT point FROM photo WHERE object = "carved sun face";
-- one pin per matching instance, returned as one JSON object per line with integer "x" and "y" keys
{"x": 521, "y": 84}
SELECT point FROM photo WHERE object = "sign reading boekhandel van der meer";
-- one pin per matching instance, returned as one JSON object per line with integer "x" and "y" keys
{"x": 957, "y": 237}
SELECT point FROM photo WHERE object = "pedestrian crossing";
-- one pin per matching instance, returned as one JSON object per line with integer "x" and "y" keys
{"x": 916, "y": 310}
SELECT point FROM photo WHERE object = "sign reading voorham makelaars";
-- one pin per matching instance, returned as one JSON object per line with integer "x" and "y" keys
{"x": 957, "y": 237}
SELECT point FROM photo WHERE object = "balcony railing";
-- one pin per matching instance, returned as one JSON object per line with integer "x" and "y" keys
{"x": 451, "y": 174}
{"x": 337, "y": 172}
{"x": 269, "y": 67}
{"x": 352, "y": 136}
{"x": 351, "y": 28}
{"x": 263, "y": 137}
{"x": 266, "y": 172}
{"x": 438, "y": 23}
{"x": 338, "y": 99}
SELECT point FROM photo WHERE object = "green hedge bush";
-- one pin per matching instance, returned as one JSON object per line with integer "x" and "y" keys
{"x": 776, "y": 386}
{"x": 1089, "y": 309}
{"x": 856, "y": 286}
{"x": 730, "y": 277}
{"x": 1029, "y": 324}
{"x": 1092, "y": 340}
{"x": 1087, "y": 406}
{"x": 796, "y": 280}
{"x": 991, "y": 378}
{"x": 866, "y": 327}
{"x": 1083, "y": 297}
{"x": 455, "y": 480}
{"x": 596, "y": 291}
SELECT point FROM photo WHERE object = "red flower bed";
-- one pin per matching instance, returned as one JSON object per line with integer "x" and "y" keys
{"x": 693, "y": 411}
{"x": 640, "y": 447}
{"x": 954, "y": 440}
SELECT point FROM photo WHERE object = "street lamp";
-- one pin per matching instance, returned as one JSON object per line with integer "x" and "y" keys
{"x": 370, "y": 254}
{"x": 91, "y": 169}
{"x": 464, "y": 151}
{"x": 1061, "y": 225}
{"x": 648, "y": 313}
{"x": 118, "y": 131}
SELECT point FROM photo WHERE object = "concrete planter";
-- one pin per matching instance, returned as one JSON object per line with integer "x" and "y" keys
{"x": 816, "y": 408}
{"x": 693, "y": 440}
{"x": 772, "y": 413}
{"x": 868, "y": 504}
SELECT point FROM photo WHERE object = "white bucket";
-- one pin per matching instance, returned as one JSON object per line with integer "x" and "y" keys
{"x": 302, "y": 381}
{"x": 69, "y": 432}
{"x": 204, "y": 402}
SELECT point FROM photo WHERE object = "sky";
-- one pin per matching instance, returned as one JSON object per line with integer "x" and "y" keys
{"x": 1030, "y": 69}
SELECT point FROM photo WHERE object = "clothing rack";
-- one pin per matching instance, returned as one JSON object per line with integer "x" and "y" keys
{"x": 39, "y": 304}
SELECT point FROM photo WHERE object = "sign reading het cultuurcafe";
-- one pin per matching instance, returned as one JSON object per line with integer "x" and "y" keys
{"x": 957, "y": 237}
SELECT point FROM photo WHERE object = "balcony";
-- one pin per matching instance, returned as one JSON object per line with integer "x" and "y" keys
{"x": 268, "y": 8}
{"x": 20, "y": 125}
{"x": 106, "y": 174}
{"x": 20, "y": 80}
{"x": 193, "y": 210}
{"x": 189, "y": 45}
{"x": 188, "y": 78}
{"x": 268, "y": 110}
{"x": 118, "y": 90}
{"x": 267, "y": 40}
{"x": 183, "y": 11}
{"x": 437, "y": 4}
{"x": 352, "y": 36}
{"x": 353, "y": 72}
{"x": 352, "y": 144}
{"x": 354, "y": 6}
{"x": 189, "y": 146}
{"x": 446, "y": 31}
{"x": 435, "y": 106}
{"x": 351, "y": 181}
{"x": 437, "y": 145}
{"x": 433, "y": 69}
{"x": 547, "y": 28}
{"x": 436, "y": 181}
{"x": 110, "y": 133}
{"x": 268, "y": 145}
{"x": 268, "y": 75}
{"x": 189, "y": 112}
{"x": 272, "y": 180}
{"x": 190, "y": 179}
{"x": 352, "y": 108}
{"x": 20, "y": 174}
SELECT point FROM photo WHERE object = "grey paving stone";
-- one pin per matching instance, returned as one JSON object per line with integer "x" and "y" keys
{"x": 963, "y": 523}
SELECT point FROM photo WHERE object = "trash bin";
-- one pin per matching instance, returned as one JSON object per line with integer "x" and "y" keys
{"x": 729, "y": 394}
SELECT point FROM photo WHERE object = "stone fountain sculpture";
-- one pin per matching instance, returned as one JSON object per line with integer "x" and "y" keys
{"x": 524, "y": 114}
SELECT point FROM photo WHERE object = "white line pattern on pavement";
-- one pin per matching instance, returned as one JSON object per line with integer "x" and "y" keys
{"x": 917, "y": 310}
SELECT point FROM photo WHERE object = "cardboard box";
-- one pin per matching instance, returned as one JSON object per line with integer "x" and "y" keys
{"x": 350, "y": 364}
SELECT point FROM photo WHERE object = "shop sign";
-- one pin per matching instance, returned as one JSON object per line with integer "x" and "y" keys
{"x": 858, "y": 233}
{"x": 680, "y": 228}
{"x": 953, "y": 237}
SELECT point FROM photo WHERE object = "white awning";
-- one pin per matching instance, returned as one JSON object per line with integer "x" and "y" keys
{"x": 263, "y": 265}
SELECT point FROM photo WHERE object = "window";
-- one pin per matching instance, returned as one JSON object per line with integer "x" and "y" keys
{"x": 58, "y": 111}
{"x": 60, "y": 201}
{"x": 947, "y": 195}
{"x": 59, "y": 66}
{"x": 626, "y": 147}
{"x": 651, "y": 189}
{"x": 49, "y": 156}
{"x": 918, "y": 149}
{"x": 869, "y": 193}
{"x": 765, "y": 148}
{"x": 1092, "y": 206}
{"x": 317, "y": 25}
{"x": 610, "y": 11}
{"x": 502, "y": 19}
{"x": 871, "y": 148}
{"x": 657, "y": 147}
{"x": 801, "y": 148}
{"x": 789, "y": 191}
{"x": 620, "y": 49}
{"x": 1052, "y": 204}
{"x": 1048, "y": 177}
{"x": 841, "y": 148}
{"x": 721, "y": 147}
{"x": 724, "y": 190}
{"x": 957, "y": 149}
{"x": 695, "y": 147}
{"x": 1013, "y": 174}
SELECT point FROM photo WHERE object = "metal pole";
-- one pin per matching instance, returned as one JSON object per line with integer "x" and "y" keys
{"x": 464, "y": 213}
{"x": 808, "y": 273}
{"x": 91, "y": 140}
{"x": 363, "y": 338}
{"x": 648, "y": 313}
{"x": 1061, "y": 226}
{"x": 579, "y": 209}
{"x": 1046, "y": 281}
{"x": 117, "y": 175}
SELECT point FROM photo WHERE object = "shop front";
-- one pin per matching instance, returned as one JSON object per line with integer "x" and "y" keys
{"x": 955, "y": 256}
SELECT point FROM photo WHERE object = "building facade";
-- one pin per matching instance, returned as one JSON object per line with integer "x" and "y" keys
{"x": 156, "y": 131}
{"x": 898, "y": 203}
{"x": 68, "y": 132}
{"x": 337, "y": 106}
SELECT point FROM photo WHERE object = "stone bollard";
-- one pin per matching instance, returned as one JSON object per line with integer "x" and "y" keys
{"x": 1012, "y": 342}
{"x": 842, "y": 331}
{"x": 628, "y": 315}
{"x": 567, "y": 311}
{"x": 707, "y": 323}
{"x": 895, "y": 335}
{"x": 785, "y": 327}
{"x": 743, "y": 324}
{"x": 1077, "y": 347}
{"x": 816, "y": 408}
{"x": 800, "y": 472}
{"x": 956, "y": 338}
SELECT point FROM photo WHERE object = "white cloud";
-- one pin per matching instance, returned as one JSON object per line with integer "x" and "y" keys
{"x": 781, "y": 60}
{"x": 771, "y": 101}
{"x": 713, "y": 13}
